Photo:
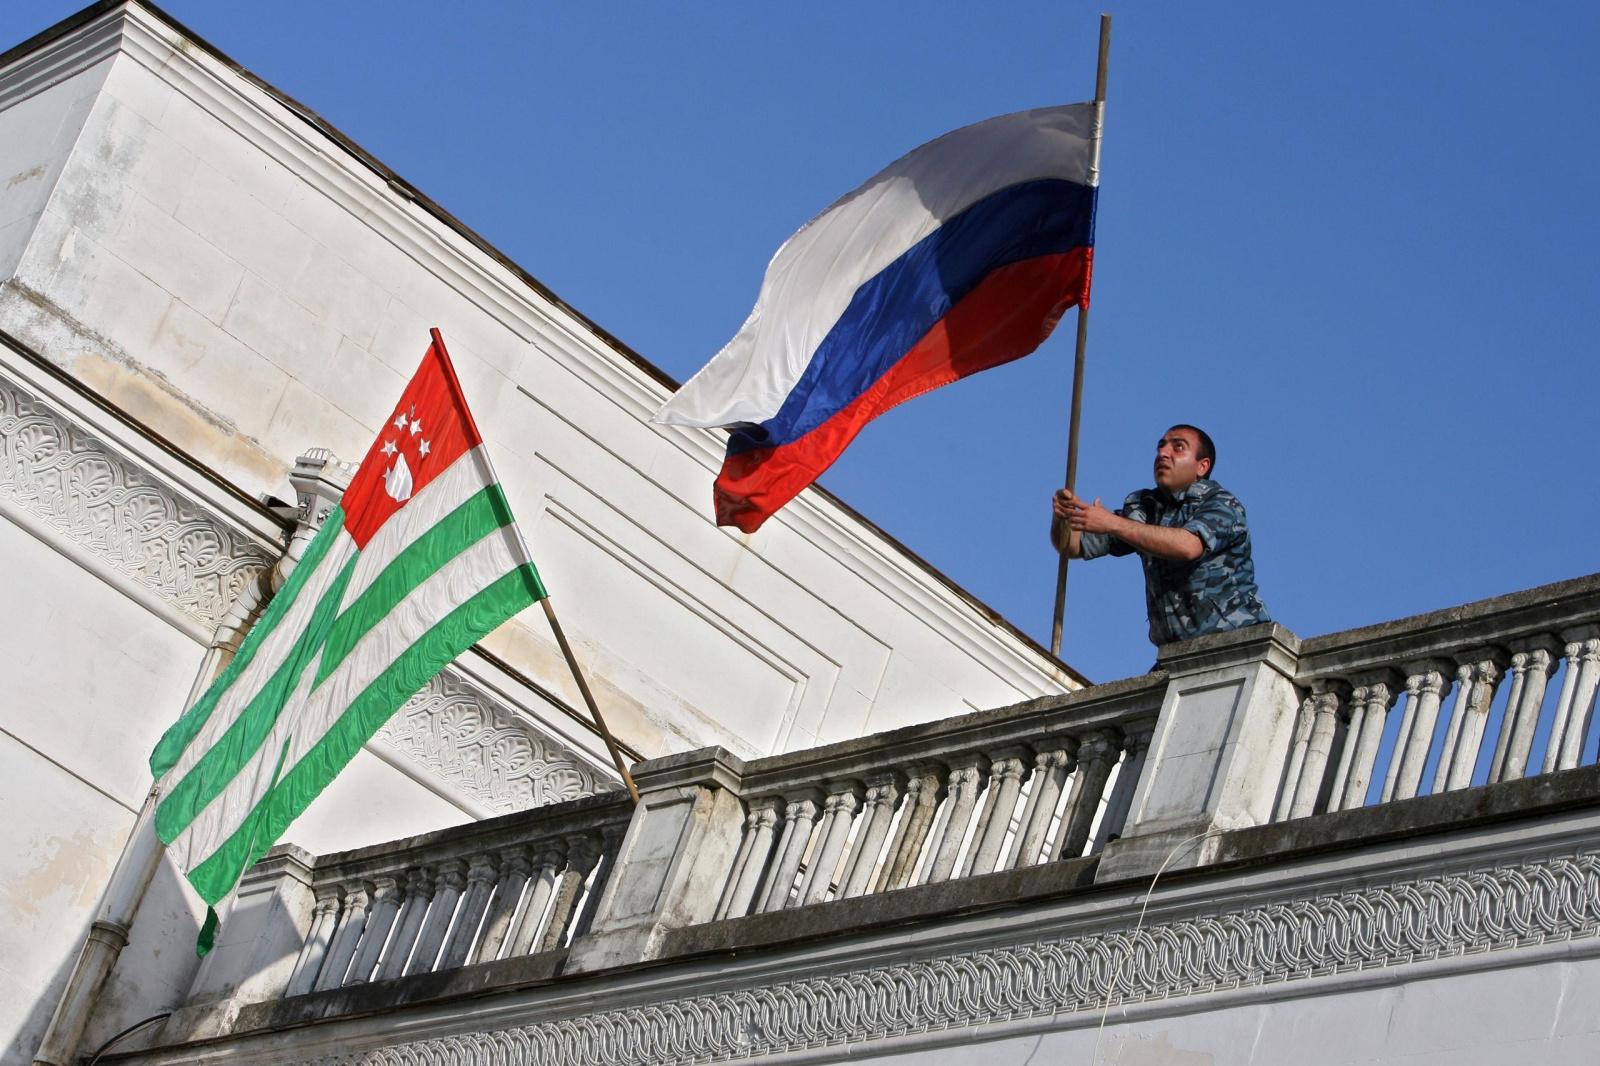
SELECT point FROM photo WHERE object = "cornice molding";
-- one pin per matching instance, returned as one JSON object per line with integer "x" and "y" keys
{"x": 86, "y": 499}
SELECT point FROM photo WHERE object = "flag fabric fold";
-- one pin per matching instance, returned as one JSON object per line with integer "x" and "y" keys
{"x": 420, "y": 560}
{"x": 960, "y": 256}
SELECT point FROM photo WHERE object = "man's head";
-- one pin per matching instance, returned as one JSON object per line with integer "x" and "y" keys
{"x": 1183, "y": 456}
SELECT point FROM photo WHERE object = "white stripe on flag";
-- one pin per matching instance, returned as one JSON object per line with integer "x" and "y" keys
{"x": 268, "y": 657}
{"x": 813, "y": 277}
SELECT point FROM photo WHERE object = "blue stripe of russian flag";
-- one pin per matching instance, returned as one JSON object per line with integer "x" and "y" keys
{"x": 893, "y": 310}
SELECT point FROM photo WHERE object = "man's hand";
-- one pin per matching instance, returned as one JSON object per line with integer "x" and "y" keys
{"x": 1072, "y": 516}
{"x": 1083, "y": 517}
{"x": 1062, "y": 535}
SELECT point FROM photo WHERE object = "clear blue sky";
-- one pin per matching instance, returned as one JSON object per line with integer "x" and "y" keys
{"x": 1357, "y": 242}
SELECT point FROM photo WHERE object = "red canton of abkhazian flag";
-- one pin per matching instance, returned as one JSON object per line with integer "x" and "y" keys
{"x": 420, "y": 560}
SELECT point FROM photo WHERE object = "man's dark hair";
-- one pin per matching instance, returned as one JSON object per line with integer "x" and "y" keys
{"x": 1208, "y": 450}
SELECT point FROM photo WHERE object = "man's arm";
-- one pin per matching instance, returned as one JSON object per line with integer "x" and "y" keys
{"x": 1082, "y": 517}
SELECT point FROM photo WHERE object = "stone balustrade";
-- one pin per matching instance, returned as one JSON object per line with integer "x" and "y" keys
{"x": 454, "y": 898}
{"x": 507, "y": 887}
{"x": 968, "y": 796}
{"x": 1444, "y": 700}
{"x": 1168, "y": 771}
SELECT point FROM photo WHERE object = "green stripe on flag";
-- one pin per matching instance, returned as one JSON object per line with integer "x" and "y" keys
{"x": 475, "y": 518}
{"x": 215, "y": 876}
{"x": 169, "y": 749}
{"x": 235, "y": 748}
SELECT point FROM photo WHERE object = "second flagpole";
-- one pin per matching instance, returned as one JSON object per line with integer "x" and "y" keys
{"x": 1083, "y": 341}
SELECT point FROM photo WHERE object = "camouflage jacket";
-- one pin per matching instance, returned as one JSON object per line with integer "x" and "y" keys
{"x": 1212, "y": 594}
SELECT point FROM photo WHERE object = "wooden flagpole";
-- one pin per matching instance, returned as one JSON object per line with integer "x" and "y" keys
{"x": 549, "y": 612}
{"x": 588, "y": 698}
{"x": 1083, "y": 339}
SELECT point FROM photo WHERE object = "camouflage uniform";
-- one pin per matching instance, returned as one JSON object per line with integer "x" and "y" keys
{"x": 1216, "y": 592}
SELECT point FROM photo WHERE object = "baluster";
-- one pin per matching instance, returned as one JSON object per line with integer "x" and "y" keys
{"x": 1533, "y": 660}
{"x": 883, "y": 792}
{"x": 924, "y": 790}
{"x": 1426, "y": 682}
{"x": 380, "y": 919}
{"x": 1050, "y": 771}
{"x": 552, "y": 856}
{"x": 351, "y": 923}
{"x": 447, "y": 885}
{"x": 419, "y": 893}
{"x": 1310, "y": 792}
{"x": 966, "y": 781}
{"x": 610, "y": 848}
{"x": 756, "y": 855}
{"x": 747, "y": 843}
{"x": 514, "y": 870}
{"x": 1096, "y": 756}
{"x": 583, "y": 851}
{"x": 324, "y": 914}
{"x": 839, "y": 811}
{"x": 1577, "y": 697}
{"x": 1370, "y": 702}
{"x": 798, "y": 818}
{"x": 1006, "y": 767}
{"x": 1136, "y": 748}
{"x": 1304, "y": 723}
{"x": 1476, "y": 680}
{"x": 481, "y": 875}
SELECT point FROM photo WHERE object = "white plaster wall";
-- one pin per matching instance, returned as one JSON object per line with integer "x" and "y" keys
{"x": 40, "y": 119}
{"x": 222, "y": 270}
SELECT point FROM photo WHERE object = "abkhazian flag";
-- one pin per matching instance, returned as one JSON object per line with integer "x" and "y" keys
{"x": 420, "y": 560}
{"x": 956, "y": 258}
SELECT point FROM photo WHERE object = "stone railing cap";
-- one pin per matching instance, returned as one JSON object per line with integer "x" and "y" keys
{"x": 1547, "y": 609}
{"x": 1269, "y": 641}
{"x": 704, "y": 766}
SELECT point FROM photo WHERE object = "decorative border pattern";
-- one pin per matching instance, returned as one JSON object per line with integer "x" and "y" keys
{"x": 108, "y": 507}
{"x": 486, "y": 750}
{"x": 1387, "y": 925}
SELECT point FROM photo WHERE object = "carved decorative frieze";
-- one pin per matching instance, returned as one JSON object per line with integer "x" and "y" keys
{"x": 105, "y": 506}
{"x": 1374, "y": 926}
{"x": 485, "y": 750}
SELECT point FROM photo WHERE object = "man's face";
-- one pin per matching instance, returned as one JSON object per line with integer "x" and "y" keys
{"x": 1178, "y": 462}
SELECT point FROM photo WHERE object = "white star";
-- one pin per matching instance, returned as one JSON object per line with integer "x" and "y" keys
{"x": 388, "y": 447}
{"x": 416, "y": 426}
{"x": 400, "y": 421}
{"x": 425, "y": 446}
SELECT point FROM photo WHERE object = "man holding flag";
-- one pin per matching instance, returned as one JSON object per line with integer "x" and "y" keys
{"x": 1189, "y": 532}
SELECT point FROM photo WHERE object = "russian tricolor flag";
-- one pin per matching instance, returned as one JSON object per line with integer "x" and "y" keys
{"x": 958, "y": 257}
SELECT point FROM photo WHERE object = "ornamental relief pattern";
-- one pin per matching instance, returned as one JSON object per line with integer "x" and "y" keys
{"x": 107, "y": 507}
{"x": 486, "y": 750}
{"x": 1375, "y": 926}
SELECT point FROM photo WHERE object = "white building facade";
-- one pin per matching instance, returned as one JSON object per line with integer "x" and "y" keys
{"x": 200, "y": 282}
